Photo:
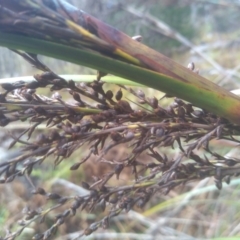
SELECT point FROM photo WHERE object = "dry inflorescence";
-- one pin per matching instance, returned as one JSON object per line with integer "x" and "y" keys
{"x": 104, "y": 123}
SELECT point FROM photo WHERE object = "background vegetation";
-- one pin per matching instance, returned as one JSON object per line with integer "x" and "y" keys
{"x": 203, "y": 32}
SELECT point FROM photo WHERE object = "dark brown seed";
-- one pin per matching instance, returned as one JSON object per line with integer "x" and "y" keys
{"x": 85, "y": 185}
{"x": 75, "y": 166}
{"x": 124, "y": 106}
{"x": 119, "y": 95}
{"x": 140, "y": 94}
{"x": 71, "y": 84}
{"x": 153, "y": 102}
{"x": 53, "y": 196}
{"x": 40, "y": 191}
{"x": 118, "y": 169}
{"x": 77, "y": 97}
{"x": 109, "y": 94}
{"x": 7, "y": 86}
{"x": 115, "y": 136}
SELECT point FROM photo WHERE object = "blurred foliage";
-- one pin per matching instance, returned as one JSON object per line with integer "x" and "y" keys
{"x": 179, "y": 18}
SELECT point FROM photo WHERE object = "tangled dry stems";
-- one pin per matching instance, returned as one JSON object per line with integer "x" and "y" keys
{"x": 104, "y": 123}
